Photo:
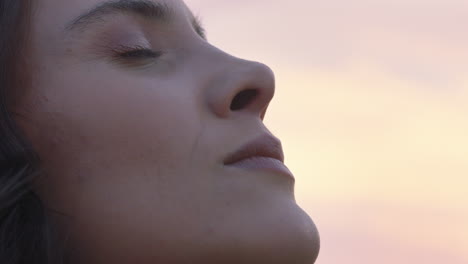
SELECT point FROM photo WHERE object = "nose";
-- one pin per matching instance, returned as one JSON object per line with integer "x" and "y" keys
{"x": 242, "y": 87}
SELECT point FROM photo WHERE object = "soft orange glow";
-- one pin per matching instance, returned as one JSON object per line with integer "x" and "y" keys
{"x": 372, "y": 108}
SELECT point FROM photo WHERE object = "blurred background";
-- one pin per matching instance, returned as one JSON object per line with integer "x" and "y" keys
{"x": 372, "y": 107}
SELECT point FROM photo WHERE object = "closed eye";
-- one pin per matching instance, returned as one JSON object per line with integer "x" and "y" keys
{"x": 137, "y": 52}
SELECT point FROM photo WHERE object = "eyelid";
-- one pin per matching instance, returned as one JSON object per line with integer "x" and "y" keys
{"x": 123, "y": 38}
{"x": 135, "y": 57}
{"x": 127, "y": 45}
{"x": 135, "y": 52}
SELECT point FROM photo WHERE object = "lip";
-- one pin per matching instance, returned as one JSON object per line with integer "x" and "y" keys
{"x": 264, "y": 152}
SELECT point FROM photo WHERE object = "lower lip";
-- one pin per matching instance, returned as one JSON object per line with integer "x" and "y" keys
{"x": 264, "y": 163}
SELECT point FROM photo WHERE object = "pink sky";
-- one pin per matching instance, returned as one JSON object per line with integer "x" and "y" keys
{"x": 372, "y": 108}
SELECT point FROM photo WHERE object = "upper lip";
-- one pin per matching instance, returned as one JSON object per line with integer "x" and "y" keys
{"x": 262, "y": 146}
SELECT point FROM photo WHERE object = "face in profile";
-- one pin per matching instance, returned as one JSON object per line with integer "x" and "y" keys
{"x": 134, "y": 115}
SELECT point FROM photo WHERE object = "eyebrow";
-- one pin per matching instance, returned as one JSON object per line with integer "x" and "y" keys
{"x": 154, "y": 11}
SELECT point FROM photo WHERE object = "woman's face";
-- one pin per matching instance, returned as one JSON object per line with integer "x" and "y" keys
{"x": 133, "y": 144}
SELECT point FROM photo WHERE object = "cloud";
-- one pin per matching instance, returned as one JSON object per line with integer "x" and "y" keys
{"x": 422, "y": 41}
{"x": 366, "y": 231}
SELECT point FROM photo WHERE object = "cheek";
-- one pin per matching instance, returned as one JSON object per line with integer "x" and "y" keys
{"x": 116, "y": 147}
{"x": 97, "y": 131}
{"x": 96, "y": 115}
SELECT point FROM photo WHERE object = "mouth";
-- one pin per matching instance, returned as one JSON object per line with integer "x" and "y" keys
{"x": 262, "y": 153}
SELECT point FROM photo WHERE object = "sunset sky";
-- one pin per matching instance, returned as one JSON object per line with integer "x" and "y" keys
{"x": 371, "y": 105}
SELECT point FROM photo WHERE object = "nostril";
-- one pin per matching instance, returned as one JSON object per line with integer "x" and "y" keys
{"x": 243, "y": 98}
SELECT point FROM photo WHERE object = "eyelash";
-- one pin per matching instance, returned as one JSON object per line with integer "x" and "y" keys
{"x": 136, "y": 52}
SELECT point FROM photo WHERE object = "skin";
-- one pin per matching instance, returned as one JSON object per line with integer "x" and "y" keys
{"x": 132, "y": 150}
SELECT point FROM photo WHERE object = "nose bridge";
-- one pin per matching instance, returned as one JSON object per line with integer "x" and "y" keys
{"x": 239, "y": 86}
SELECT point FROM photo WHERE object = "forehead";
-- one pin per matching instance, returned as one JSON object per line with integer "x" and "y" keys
{"x": 50, "y": 17}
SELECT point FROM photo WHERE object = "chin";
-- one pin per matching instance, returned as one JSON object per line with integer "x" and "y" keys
{"x": 281, "y": 235}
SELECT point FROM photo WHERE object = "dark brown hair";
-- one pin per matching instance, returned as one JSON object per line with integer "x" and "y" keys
{"x": 26, "y": 235}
